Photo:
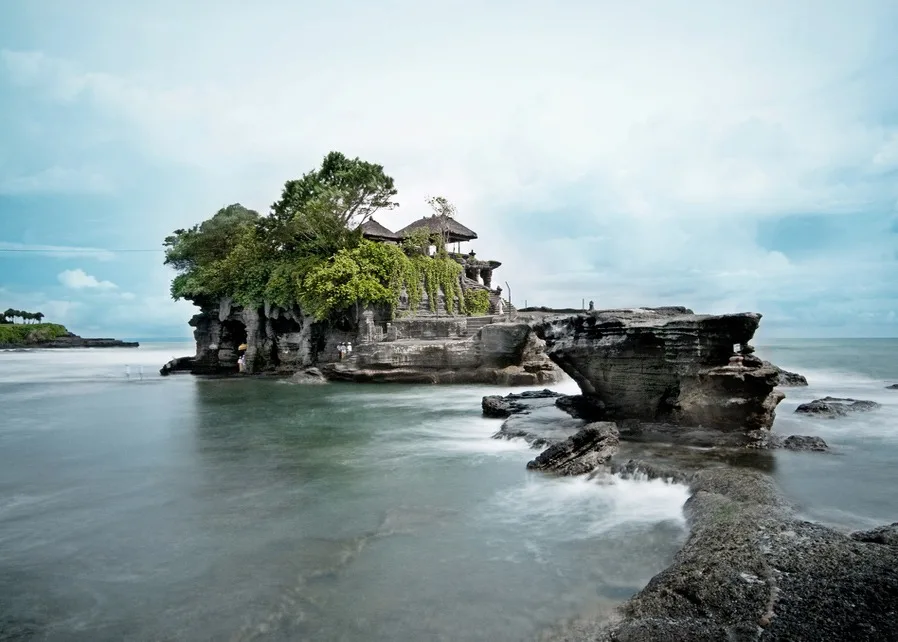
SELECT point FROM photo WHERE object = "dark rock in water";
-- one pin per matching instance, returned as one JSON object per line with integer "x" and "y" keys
{"x": 805, "y": 442}
{"x": 581, "y": 453}
{"x": 766, "y": 440}
{"x": 667, "y": 365}
{"x": 751, "y": 571}
{"x": 180, "y": 364}
{"x": 640, "y": 469}
{"x": 880, "y": 535}
{"x": 498, "y": 406}
{"x": 831, "y": 407}
{"x": 788, "y": 379}
{"x": 894, "y": 386}
{"x": 581, "y": 406}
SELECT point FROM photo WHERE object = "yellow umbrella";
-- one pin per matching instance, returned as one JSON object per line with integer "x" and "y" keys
{"x": 242, "y": 346}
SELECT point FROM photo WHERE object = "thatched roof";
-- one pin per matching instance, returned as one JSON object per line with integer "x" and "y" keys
{"x": 434, "y": 223}
{"x": 371, "y": 229}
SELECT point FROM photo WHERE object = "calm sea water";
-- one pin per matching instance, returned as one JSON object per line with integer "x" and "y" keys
{"x": 854, "y": 485}
{"x": 196, "y": 509}
{"x": 146, "y": 508}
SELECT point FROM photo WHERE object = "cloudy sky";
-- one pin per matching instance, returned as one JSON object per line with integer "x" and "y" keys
{"x": 726, "y": 156}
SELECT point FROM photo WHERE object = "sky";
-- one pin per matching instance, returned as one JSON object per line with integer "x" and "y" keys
{"x": 725, "y": 156}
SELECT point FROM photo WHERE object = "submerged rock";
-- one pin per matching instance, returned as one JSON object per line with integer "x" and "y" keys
{"x": 667, "y": 365}
{"x": 581, "y": 406}
{"x": 788, "y": 379}
{"x": 765, "y": 440}
{"x": 832, "y": 407}
{"x": 581, "y": 453}
{"x": 894, "y": 386}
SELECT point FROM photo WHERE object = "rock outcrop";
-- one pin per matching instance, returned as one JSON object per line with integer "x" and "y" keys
{"x": 751, "y": 570}
{"x": 591, "y": 447}
{"x": 414, "y": 349}
{"x": 666, "y": 365}
{"x": 894, "y": 386}
{"x": 788, "y": 379}
{"x": 832, "y": 407}
{"x": 765, "y": 440}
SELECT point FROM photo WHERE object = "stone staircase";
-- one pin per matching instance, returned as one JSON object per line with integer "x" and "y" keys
{"x": 475, "y": 323}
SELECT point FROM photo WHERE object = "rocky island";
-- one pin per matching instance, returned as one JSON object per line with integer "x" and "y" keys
{"x": 16, "y": 336}
{"x": 318, "y": 289}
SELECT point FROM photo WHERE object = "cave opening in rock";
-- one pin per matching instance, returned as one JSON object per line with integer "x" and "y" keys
{"x": 233, "y": 334}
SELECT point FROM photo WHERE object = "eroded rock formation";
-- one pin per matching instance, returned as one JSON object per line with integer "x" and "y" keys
{"x": 666, "y": 365}
{"x": 788, "y": 379}
{"x": 414, "y": 349}
{"x": 589, "y": 448}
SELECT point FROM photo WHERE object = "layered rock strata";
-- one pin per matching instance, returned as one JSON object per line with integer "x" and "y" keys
{"x": 666, "y": 365}
{"x": 413, "y": 349}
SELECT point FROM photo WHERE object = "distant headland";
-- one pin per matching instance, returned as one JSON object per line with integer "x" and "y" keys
{"x": 32, "y": 333}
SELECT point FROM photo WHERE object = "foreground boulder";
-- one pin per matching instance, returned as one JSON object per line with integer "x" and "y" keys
{"x": 832, "y": 407}
{"x": 751, "y": 570}
{"x": 666, "y": 365}
{"x": 581, "y": 453}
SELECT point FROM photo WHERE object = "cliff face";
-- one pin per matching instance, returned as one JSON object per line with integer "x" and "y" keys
{"x": 429, "y": 349}
{"x": 666, "y": 365}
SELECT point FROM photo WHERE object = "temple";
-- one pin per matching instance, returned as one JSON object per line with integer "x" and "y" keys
{"x": 478, "y": 273}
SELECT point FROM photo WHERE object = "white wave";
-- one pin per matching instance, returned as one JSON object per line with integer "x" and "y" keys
{"x": 575, "y": 508}
{"x": 87, "y": 364}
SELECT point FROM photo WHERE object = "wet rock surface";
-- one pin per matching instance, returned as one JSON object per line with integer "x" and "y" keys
{"x": 751, "y": 571}
{"x": 666, "y": 365}
{"x": 592, "y": 446}
{"x": 832, "y": 407}
{"x": 887, "y": 535}
{"x": 770, "y": 441}
{"x": 788, "y": 379}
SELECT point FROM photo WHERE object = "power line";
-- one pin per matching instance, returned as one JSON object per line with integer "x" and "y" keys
{"x": 73, "y": 250}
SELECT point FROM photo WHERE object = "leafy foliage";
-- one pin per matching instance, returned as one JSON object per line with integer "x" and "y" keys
{"x": 477, "y": 302}
{"x": 10, "y": 315}
{"x": 20, "y": 334}
{"x": 310, "y": 250}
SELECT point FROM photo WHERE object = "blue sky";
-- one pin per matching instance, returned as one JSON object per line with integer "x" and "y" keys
{"x": 733, "y": 156}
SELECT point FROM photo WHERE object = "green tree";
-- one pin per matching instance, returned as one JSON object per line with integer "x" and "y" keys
{"x": 340, "y": 195}
{"x": 39, "y": 316}
{"x": 444, "y": 210}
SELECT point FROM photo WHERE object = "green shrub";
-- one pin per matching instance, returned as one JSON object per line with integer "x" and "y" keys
{"x": 24, "y": 334}
{"x": 477, "y": 302}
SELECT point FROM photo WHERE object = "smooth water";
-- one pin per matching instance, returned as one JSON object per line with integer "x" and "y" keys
{"x": 136, "y": 507}
{"x": 854, "y": 485}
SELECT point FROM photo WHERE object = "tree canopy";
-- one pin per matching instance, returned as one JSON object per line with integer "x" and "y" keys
{"x": 10, "y": 315}
{"x": 309, "y": 250}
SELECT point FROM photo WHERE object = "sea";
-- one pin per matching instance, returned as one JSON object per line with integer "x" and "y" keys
{"x": 140, "y": 507}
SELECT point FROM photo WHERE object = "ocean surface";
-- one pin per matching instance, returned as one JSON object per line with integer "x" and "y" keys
{"x": 136, "y": 507}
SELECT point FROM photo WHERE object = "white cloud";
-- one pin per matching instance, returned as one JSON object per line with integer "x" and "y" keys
{"x": 78, "y": 280}
{"x": 666, "y": 137}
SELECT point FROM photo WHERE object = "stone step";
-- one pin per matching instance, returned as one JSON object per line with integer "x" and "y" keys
{"x": 475, "y": 323}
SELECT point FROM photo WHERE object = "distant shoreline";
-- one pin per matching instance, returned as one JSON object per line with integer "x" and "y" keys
{"x": 52, "y": 336}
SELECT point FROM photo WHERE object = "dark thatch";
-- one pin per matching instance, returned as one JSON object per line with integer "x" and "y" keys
{"x": 373, "y": 230}
{"x": 457, "y": 231}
